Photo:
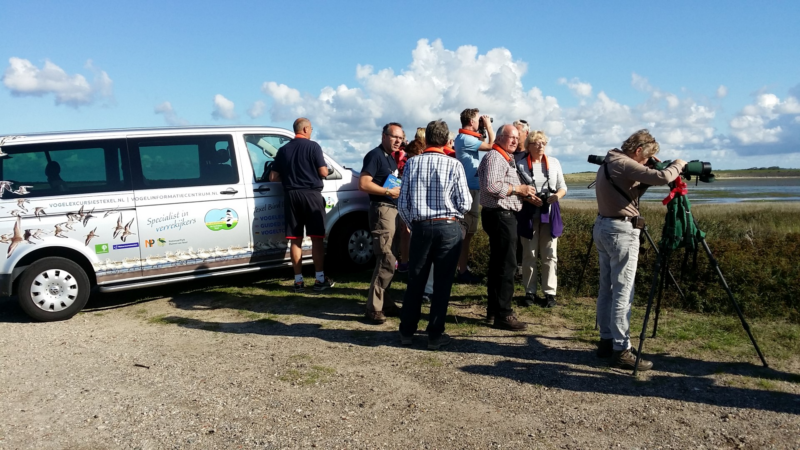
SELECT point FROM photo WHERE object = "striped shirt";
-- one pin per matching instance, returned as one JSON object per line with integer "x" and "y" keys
{"x": 496, "y": 175}
{"x": 434, "y": 187}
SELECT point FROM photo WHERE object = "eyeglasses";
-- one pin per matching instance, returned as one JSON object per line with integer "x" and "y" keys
{"x": 394, "y": 137}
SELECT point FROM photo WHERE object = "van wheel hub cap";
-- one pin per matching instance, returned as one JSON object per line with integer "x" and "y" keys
{"x": 359, "y": 246}
{"x": 54, "y": 290}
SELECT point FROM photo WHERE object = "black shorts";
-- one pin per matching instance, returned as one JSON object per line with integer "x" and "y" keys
{"x": 304, "y": 208}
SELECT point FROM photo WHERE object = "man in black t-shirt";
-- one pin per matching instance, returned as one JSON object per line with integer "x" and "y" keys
{"x": 300, "y": 167}
{"x": 378, "y": 167}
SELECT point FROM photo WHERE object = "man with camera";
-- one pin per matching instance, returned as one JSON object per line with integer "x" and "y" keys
{"x": 621, "y": 180}
{"x": 468, "y": 143}
{"x": 501, "y": 195}
{"x": 379, "y": 166}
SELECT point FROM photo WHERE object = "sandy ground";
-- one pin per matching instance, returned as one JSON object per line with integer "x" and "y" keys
{"x": 189, "y": 371}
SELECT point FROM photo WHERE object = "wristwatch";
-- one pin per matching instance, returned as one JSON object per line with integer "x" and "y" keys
{"x": 387, "y": 192}
{"x": 513, "y": 190}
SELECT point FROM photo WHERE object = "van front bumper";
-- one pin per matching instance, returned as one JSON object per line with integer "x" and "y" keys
{"x": 6, "y": 285}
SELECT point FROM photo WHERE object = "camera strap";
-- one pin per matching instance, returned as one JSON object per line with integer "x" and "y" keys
{"x": 619, "y": 189}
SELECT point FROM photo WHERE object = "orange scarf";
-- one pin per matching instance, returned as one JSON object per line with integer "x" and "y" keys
{"x": 449, "y": 151}
{"x": 297, "y": 136}
{"x": 433, "y": 150}
{"x": 502, "y": 152}
{"x": 470, "y": 133}
{"x": 544, "y": 159}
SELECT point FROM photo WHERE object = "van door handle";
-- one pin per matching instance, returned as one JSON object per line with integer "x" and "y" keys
{"x": 262, "y": 189}
{"x": 229, "y": 191}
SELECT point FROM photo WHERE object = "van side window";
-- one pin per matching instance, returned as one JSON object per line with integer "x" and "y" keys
{"x": 183, "y": 161}
{"x": 65, "y": 168}
{"x": 262, "y": 149}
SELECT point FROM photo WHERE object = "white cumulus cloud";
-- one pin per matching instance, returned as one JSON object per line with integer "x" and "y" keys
{"x": 23, "y": 78}
{"x": 722, "y": 91}
{"x": 440, "y": 83}
{"x": 257, "y": 110}
{"x": 170, "y": 116}
{"x": 769, "y": 125}
{"x": 223, "y": 108}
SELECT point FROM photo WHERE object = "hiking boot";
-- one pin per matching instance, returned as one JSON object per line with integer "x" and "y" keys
{"x": 509, "y": 323}
{"x": 402, "y": 268}
{"x": 438, "y": 342}
{"x": 605, "y": 348}
{"x": 530, "y": 299}
{"x": 319, "y": 287}
{"x": 299, "y": 287}
{"x": 549, "y": 301}
{"x": 467, "y": 277}
{"x": 490, "y": 317}
{"x": 390, "y": 309}
{"x": 406, "y": 340}
{"x": 375, "y": 317}
{"x": 626, "y": 359}
{"x": 426, "y": 299}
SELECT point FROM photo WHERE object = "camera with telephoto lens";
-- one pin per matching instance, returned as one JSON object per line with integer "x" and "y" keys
{"x": 482, "y": 127}
{"x": 696, "y": 168}
{"x": 544, "y": 194}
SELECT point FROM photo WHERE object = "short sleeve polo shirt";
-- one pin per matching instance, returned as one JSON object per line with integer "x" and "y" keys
{"x": 298, "y": 163}
{"x": 379, "y": 165}
{"x": 467, "y": 147}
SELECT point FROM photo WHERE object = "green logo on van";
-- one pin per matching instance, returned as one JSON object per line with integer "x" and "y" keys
{"x": 221, "y": 219}
{"x": 101, "y": 248}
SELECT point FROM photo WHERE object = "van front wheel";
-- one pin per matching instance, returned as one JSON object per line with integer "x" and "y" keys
{"x": 53, "y": 289}
{"x": 350, "y": 247}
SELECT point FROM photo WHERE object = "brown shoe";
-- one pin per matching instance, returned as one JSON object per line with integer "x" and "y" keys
{"x": 626, "y": 359}
{"x": 375, "y": 317}
{"x": 390, "y": 309}
{"x": 509, "y": 323}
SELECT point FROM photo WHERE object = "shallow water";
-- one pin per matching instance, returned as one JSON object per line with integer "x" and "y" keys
{"x": 732, "y": 190}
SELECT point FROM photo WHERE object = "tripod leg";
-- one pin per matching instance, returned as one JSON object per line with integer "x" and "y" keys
{"x": 685, "y": 262}
{"x": 746, "y": 327}
{"x": 585, "y": 262}
{"x": 661, "y": 285}
{"x": 653, "y": 285}
{"x": 669, "y": 272}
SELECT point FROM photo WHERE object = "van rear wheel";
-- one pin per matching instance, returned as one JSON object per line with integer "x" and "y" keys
{"x": 53, "y": 289}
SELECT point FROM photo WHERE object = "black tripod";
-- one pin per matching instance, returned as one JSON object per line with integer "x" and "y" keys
{"x": 658, "y": 275}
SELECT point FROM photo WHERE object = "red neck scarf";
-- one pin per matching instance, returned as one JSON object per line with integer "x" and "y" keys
{"x": 500, "y": 150}
{"x": 470, "y": 133}
{"x": 433, "y": 150}
{"x": 544, "y": 161}
{"x": 680, "y": 189}
{"x": 298, "y": 136}
{"x": 449, "y": 151}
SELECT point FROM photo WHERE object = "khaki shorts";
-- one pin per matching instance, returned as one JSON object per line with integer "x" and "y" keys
{"x": 474, "y": 214}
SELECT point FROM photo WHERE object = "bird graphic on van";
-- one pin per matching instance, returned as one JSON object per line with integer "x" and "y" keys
{"x": 221, "y": 219}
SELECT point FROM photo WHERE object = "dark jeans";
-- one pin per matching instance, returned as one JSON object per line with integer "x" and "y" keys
{"x": 501, "y": 226}
{"x": 438, "y": 243}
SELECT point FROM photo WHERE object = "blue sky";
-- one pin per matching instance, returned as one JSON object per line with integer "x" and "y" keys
{"x": 717, "y": 81}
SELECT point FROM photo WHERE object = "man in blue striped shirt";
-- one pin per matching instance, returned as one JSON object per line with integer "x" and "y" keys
{"x": 433, "y": 199}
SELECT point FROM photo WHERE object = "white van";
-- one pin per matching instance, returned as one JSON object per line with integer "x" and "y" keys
{"x": 123, "y": 209}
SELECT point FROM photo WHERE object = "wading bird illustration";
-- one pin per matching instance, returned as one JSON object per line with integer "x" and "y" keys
{"x": 23, "y": 190}
{"x": 91, "y": 236}
{"x": 127, "y": 231}
{"x": 17, "y": 238}
{"x": 17, "y": 212}
{"x": 111, "y": 211}
{"x": 119, "y": 228}
{"x": 76, "y": 217}
{"x": 60, "y": 231}
{"x": 36, "y": 234}
{"x": 5, "y": 186}
{"x": 5, "y": 238}
{"x": 39, "y": 212}
{"x": 21, "y": 204}
{"x": 87, "y": 216}
{"x": 203, "y": 254}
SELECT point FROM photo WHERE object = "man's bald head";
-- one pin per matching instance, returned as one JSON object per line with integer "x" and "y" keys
{"x": 508, "y": 138}
{"x": 302, "y": 127}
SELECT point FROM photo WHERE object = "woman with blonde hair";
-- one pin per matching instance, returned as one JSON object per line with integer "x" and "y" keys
{"x": 539, "y": 222}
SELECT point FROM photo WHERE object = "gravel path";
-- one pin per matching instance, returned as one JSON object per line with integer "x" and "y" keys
{"x": 180, "y": 373}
